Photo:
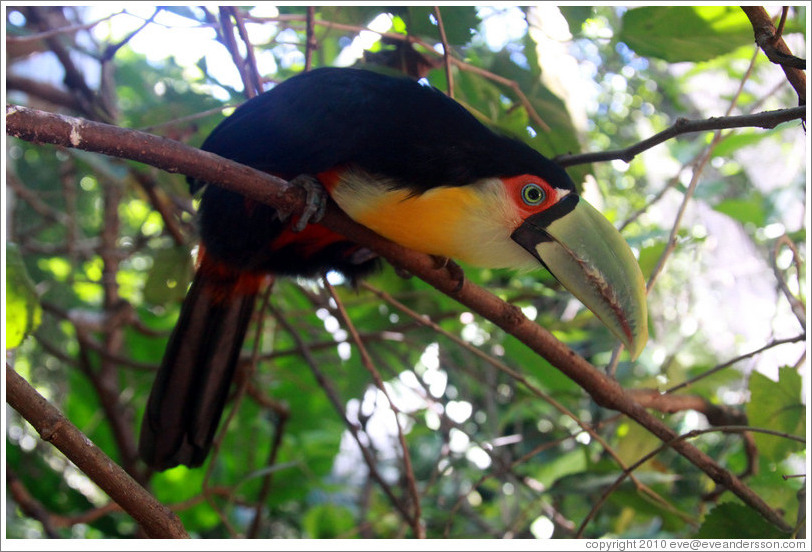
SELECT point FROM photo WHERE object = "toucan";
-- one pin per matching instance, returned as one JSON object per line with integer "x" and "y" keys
{"x": 408, "y": 162}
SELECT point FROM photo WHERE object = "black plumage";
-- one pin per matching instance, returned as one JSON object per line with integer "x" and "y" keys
{"x": 414, "y": 135}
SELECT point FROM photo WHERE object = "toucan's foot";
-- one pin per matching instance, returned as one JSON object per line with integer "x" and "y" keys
{"x": 315, "y": 204}
{"x": 454, "y": 270}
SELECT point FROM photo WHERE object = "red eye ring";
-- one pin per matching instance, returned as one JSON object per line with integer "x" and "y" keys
{"x": 530, "y": 193}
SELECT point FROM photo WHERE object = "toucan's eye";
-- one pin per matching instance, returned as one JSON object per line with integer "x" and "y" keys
{"x": 533, "y": 194}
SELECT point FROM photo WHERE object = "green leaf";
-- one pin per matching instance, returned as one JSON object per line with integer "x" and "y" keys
{"x": 549, "y": 377}
{"x": 649, "y": 257}
{"x": 736, "y": 521}
{"x": 328, "y": 521}
{"x": 776, "y": 406}
{"x": 685, "y": 33}
{"x": 23, "y": 311}
{"x": 738, "y": 140}
{"x": 351, "y": 14}
{"x": 576, "y": 16}
{"x": 459, "y": 22}
{"x": 747, "y": 210}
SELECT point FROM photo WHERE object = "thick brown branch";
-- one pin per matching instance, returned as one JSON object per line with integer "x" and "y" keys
{"x": 34, "y": 125}
{"x": 776, "y": 49}
{"x": 157, "y": 520}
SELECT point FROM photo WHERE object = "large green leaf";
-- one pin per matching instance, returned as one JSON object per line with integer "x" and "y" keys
{"x": 685, "y": 33}
{"x": 459, "y": 22}
{"x": 328, "y": 521}
{"x": 348, "y": 14}
{"x": 736, "y": 521}
{"x": 777, "y": 406}
{"x": 23, "y": 311}
{"x": 576, "y": 16}
{"x": 745, "y": 210}
{"x": 735, "y": 141}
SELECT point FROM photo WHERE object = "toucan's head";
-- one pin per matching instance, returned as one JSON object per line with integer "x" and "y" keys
{"x": 518, "y": 222}
{"x": 584, "y": 252}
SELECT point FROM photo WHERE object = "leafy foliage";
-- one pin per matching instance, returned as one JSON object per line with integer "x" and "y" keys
{"x": 23, "y": 311}
{"x": 686, "y": 33}
{"x": 494, "y": 434}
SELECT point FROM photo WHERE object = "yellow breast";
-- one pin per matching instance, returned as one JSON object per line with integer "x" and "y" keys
{"x": 471, "y": 224}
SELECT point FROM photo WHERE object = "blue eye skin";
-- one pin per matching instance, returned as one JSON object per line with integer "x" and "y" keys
{"x": 533, "y": 194}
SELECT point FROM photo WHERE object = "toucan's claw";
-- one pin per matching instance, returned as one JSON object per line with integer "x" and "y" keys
{"x": 440, "y": 262}
{"x": 315, "y": 204}
{"x": 454, "y": 270}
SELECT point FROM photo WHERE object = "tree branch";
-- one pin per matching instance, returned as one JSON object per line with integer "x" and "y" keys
{"x": 37, "y": 126}
{"x": 29, "y": 505}
{"x": 446, "y": 51}
{"x": 157, "y": 520}
{"x": 777, "y": 50}
{"x": 765, "y": 119}
{"x": 43, "y": 91}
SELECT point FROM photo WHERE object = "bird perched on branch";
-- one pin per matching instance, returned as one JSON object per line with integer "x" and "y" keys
{"x": 402, "y": 159}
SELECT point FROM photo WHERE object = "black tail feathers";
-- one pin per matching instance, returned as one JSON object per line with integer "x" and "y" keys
{"x": 192, "y": 385}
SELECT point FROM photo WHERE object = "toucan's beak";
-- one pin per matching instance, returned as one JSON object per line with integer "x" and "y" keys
{"x": 584, "y": 252}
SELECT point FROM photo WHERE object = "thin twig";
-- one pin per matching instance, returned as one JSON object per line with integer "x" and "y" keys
{"x": 227, "y": 33}
{"x": 237, "y": 401}
{"x": 90, "y": 103}
{"x": 310, "y": 39}
{"x": 250, "y": 57}
{"x": 29, "y": 505}
{"x": 513, "y": 85}
{"x": 780, "y": 30}
{"x": 50, "y": 33}
{"x": 733, "y": 361}
{"x": 44, "y": 91}
{"x": 697, "y": 168}
{"x": 110, "y": 51}
{"x": 797, "y": 306}
{"x": 446, "y": 52}
{"x": 765, "y": 119}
